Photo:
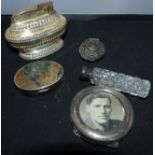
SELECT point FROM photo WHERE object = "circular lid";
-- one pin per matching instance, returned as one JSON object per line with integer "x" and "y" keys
{"x": 35, "y": 23}
{"x": 39, "y": 75}
{"x": 101, "y": 115}
{"x": 91, "y": 49}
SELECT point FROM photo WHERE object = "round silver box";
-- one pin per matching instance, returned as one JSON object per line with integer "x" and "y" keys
{"x": 101, "y": 115}
{"x": 92, "y": 49}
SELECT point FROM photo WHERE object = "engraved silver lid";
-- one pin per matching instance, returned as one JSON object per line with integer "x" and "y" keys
{"x": 92, "y": 49}
{"x": 101, "y": 115}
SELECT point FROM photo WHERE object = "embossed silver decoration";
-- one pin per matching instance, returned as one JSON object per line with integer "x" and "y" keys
{"x": 92, "y": 49}
{"x": 119, "y": 81}
{"x": 110, "y": 137}
{"x": 36, "y": 32}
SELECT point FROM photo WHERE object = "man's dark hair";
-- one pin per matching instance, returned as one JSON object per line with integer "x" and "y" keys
{"x": 94, "y": 96}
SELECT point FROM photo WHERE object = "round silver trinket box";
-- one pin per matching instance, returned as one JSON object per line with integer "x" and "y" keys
{"x": 39, "y": 76}
{"x": 92, "y": 49}
{"x": 36, "y": 31}
{"x": 101, "y": 115}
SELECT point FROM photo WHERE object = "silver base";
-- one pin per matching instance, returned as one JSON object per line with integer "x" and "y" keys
{"x": 42, "y": 50}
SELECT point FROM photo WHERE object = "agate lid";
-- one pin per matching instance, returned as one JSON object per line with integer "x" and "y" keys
{"x": 38, "y": 76}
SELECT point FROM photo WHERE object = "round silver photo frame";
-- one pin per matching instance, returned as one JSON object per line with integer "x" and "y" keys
{"x": 110, "y": 113}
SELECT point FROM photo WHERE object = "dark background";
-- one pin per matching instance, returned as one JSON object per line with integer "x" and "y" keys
{"x": 42, "y": 125}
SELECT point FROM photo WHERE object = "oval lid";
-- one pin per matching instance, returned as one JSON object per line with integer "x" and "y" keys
{"x": 38, "y": 75}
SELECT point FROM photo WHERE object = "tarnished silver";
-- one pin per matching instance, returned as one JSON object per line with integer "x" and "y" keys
{"x": 92, "y": 49}
{"x": 119, "y": 81}
{"x": 37, "y": 31}
{"x": 109, "y": 138}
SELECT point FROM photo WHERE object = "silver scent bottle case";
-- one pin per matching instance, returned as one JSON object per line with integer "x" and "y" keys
{"x": 119, "y": 81}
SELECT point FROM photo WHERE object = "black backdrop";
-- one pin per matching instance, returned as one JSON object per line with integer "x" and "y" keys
{"x": 42, "y": 124}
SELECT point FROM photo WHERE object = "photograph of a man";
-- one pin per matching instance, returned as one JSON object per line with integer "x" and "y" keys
{"x": 99, "y": 113}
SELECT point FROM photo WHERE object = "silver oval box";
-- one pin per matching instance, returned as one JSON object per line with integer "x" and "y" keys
{"x": 101, "y": 115}
{"x": 38, "y": 76}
